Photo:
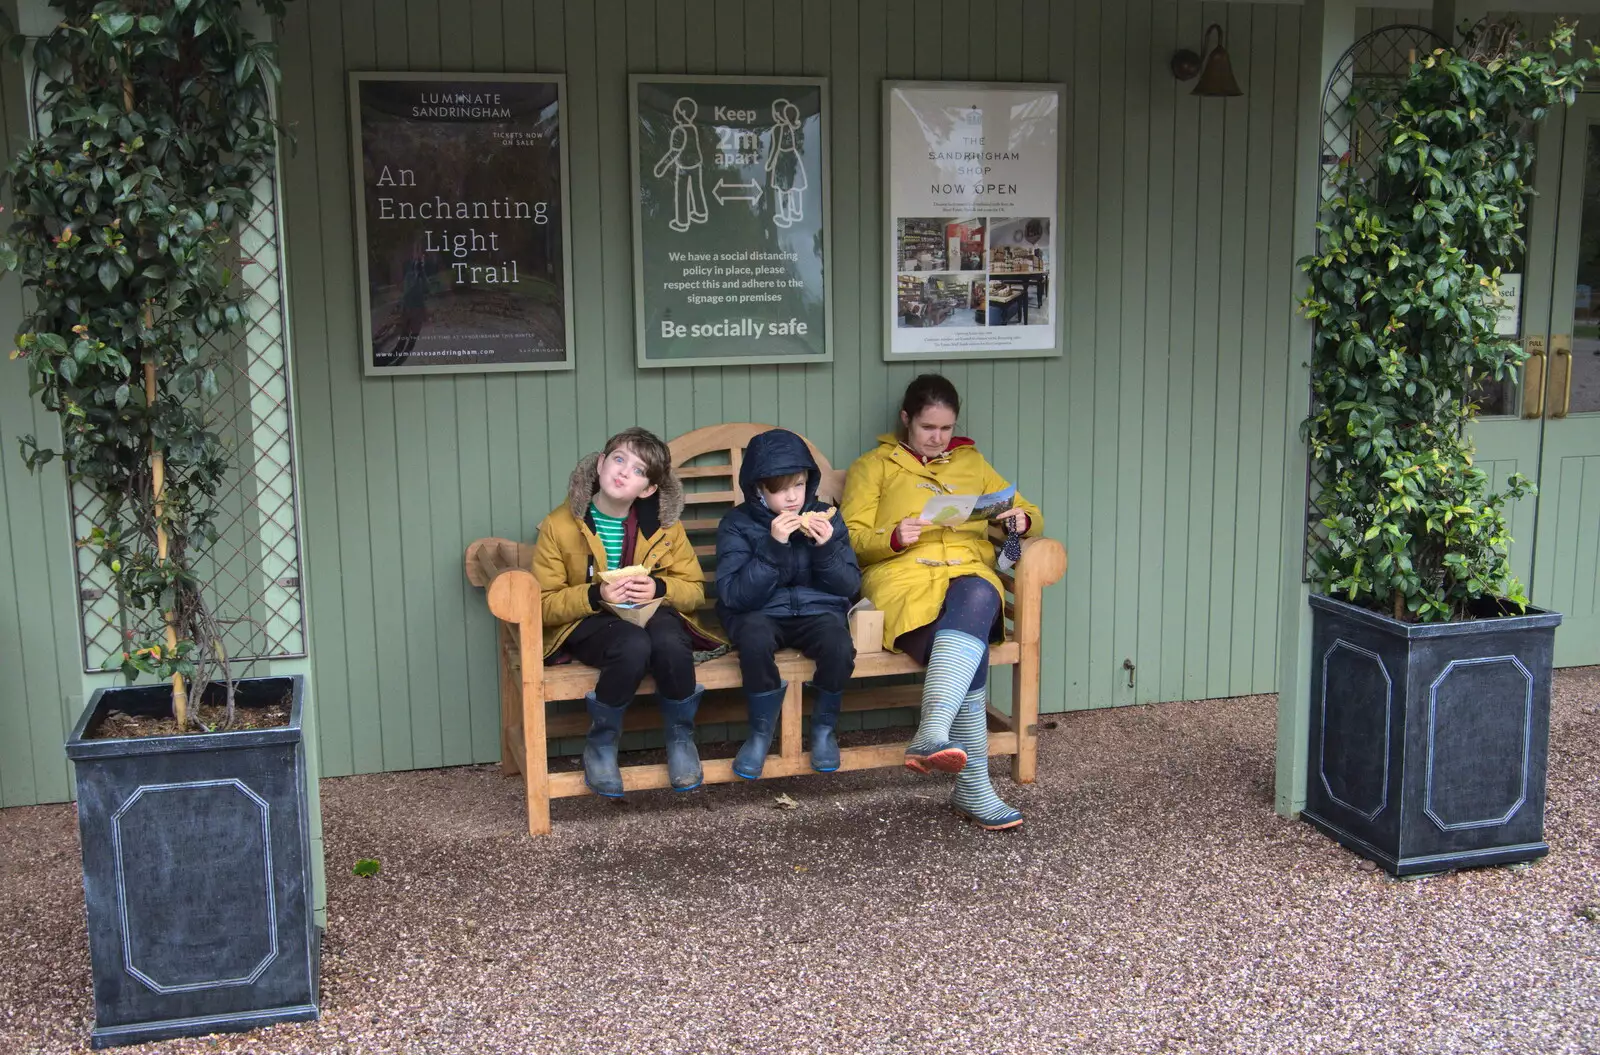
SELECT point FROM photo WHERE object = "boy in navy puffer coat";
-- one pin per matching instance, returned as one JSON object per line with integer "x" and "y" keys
{"x": 786, "y": 581}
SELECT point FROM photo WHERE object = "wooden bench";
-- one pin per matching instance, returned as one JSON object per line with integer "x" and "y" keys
{"x": 707, "y": 460}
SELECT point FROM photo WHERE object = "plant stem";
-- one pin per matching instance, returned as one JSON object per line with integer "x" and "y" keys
{"x": 158, "y": 486}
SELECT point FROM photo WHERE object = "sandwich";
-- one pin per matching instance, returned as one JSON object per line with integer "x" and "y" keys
{"x": 612, "y": 575}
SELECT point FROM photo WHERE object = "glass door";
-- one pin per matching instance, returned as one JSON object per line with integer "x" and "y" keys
{"x": 1566, "y": 571}
{"x": 1510, "y": 429}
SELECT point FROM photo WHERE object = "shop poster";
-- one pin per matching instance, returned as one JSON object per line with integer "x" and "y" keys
{"x": 972, "y": 192}
{"x": 730, "y": 238}
{"x": 461, "y": 222}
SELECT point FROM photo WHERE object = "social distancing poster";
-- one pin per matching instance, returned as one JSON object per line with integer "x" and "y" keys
{"x": 730, "y": 220}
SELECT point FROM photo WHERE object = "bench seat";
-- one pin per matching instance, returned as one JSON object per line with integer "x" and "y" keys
{"x": 570, "y": 681}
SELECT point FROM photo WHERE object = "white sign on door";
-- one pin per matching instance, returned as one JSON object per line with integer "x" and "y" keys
{"x": 1510, "y": 322}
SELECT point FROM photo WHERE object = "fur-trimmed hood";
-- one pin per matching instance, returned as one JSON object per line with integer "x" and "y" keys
{"x": 664, "y": 507}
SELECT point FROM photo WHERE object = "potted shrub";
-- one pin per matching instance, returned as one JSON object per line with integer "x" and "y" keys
{"x": 1430, "y": 670}
{"x": 154, "y": 127}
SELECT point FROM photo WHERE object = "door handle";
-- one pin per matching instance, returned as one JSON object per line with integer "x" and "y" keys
{"x": 1533, "y": 379}
{"x": 1561, "y": 353}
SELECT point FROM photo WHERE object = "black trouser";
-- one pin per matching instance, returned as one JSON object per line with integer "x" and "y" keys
{"x": 624, "y": 653}
{"x": 824, "y": 638}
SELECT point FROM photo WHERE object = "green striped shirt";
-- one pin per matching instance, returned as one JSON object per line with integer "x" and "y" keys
{"x": 610, "y": 531}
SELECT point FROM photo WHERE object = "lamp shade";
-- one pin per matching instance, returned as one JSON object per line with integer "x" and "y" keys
{"x": 1216, "y": 73}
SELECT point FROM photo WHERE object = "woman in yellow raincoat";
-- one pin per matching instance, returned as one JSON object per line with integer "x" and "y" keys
{"x": 935, "y": 584}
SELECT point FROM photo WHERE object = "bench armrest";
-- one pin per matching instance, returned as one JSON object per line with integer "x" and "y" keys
{"x": 1044, "y": 561}
{"x": 497, "y": 565}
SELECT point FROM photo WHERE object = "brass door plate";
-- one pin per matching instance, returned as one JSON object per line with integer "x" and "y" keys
{"x": 1533, "y": 376}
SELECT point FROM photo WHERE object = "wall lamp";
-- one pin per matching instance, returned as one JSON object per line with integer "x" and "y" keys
{"x": 1216, "y": 72}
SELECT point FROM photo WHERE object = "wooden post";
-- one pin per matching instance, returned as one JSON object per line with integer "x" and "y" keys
{"x": 1043, "y": 562}
{"x": 514, "y": 598}
{"x": 1327, "y": 29}
{"x": 790, "y": 745}
{"x": 510, "y": 703}
{"x": 536, "y": 752}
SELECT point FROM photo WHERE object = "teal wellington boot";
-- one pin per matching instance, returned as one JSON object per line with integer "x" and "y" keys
{"x": 600, "y": 771}
{"x": 824, "y": 718}
{"x": 683, "y": 758}
{"x": 764, "y": 708}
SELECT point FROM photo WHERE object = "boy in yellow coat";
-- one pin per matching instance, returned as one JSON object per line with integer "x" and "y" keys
{"x": 623, "y": 511}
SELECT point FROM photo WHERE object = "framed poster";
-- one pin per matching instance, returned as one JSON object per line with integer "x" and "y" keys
{"x": 972, "y": 196}
{"x": 461, "y": 222}
{"x": 730, "y": 220}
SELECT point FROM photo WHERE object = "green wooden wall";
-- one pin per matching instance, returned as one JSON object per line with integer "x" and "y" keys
{"x": 1153, "y": 444}
{"x": 40, "y": 681}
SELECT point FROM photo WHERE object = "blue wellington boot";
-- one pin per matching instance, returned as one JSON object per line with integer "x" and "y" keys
{"x": 600, "y": 772}
{"x": 764, "y": 708}
{"x": 824, "y": 717}
{"x": 683, "y": 758}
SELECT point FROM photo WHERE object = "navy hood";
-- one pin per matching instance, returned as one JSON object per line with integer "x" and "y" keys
{"x": 776, "y": 452}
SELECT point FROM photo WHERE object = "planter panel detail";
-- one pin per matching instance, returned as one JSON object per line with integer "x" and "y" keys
{"x": 196, "y": 872}
{"x": 1429, "y": 742}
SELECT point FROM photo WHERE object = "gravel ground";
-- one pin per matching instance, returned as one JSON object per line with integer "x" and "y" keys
{"x": 1152, "y": 903}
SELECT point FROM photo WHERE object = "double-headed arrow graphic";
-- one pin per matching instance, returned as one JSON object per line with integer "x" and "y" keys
{"x": 725, "y": 192}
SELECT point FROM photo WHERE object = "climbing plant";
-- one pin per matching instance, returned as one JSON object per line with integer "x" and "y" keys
{"x": 154, "y": 123}
{"x": 1404, "y": 301}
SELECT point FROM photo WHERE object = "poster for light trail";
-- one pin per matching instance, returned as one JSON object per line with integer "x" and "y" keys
{"x": 730, "y": 180}
{"x": 972, "y": 193}
{"x": 461, "y": 222}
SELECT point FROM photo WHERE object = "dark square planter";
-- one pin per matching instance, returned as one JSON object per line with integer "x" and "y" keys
{"x": 196, "y": 871}
{"x": 1428, "y": 743}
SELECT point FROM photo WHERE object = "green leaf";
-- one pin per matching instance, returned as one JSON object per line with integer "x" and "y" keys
{"x": 109, "y": 274}
{"x": 367, "y": 866}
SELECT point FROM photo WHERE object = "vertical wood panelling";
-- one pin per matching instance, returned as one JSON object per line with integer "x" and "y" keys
{"x": 1144, "y": 442}
{"x": 1105, "y": 467}
{"x": 1157, "y": 253}
{"x": 1246, "y": 528}
{"x": 1135, "y": 63}
{"x": 1180, "y": 373}
{"x": 1279, "y": 398}
{"x": 1151, "y": 444}
{"x": 1075, "y": 54}
{"x": 1232, "y": 144}
{"x": 1032, "y": 422}
{"x": 402, "y": 607}
{"x": 38, "y": 629}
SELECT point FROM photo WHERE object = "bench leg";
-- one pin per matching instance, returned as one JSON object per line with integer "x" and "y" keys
{"x": 1025, "y": 714}
{"x": 536, "y": 752}
{"x": 790, "y": 745}
{"x": 510, "y": 705}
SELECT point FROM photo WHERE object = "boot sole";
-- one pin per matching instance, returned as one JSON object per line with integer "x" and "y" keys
{"x": 603, "y": 794}
{"x": 989, "y": 826}
{"x": 950, "y": 760}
